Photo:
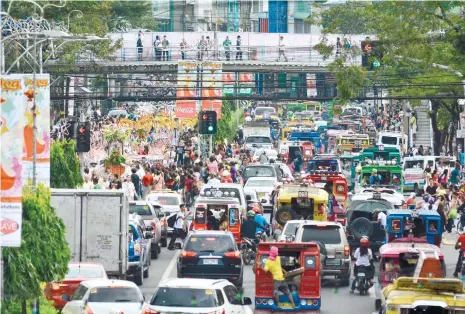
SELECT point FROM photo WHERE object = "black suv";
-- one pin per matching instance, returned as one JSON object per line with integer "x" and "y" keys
{"x": 211, "y": 255}
{"x": 360, "y": 222}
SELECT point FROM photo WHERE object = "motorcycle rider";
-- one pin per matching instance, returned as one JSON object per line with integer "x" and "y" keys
{"x": 364, "y": 258}
{"x": 249, "y": 227}
{"x": 259, "y": 219}
{"x": 460, "y": 244}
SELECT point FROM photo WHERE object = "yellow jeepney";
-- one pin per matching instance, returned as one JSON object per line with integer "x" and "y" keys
{"x": 300, "y": 201}
{"x": 352, "y": 142}
{"x": 408, "y": 295}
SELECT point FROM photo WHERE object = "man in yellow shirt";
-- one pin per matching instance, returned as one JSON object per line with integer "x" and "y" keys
{"x": 273, "y": 265}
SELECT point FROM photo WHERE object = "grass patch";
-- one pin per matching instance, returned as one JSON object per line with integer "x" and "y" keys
{"x": 14, "y": 307}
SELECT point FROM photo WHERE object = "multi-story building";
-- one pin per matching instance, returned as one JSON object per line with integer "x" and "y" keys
{"x": 265, "y": 16}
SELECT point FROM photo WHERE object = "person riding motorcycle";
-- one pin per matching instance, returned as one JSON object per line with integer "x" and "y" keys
{"x": 249, "y": 227}
{"x": 364, "y": 258}
{"x": 259, "y": 219}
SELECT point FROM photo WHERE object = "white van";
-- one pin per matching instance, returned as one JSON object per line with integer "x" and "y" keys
{"x": 391, "y": 139}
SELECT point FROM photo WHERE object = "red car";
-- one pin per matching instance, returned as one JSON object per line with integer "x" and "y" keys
{"x": 54, "y": 291}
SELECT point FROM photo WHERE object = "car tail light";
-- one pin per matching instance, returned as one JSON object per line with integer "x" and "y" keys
{"x": 163, "y": 222}
{"x": 154, "y": 225}
{"x": 147, "y": 310}
{"x": 58, "y": 286}
{"x": 346, "y": 250}
{"x": 191, "y": 227}
{"x": 188, "y": 254}
{"x": 233, "y": 254}
{"x": 87, "y": 310}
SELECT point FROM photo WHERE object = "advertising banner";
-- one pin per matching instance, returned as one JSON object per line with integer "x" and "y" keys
{"x": 212, "y": 86}
{"x": 186, "y": 87}
{"x": 12, "y": 122}
{"x": 42, "y": 102}
{"x": 229, "y": 82}
{"x": 311, "y": 85}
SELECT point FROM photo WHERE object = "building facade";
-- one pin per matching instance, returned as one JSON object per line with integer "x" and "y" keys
{"x": 263, "y": 16}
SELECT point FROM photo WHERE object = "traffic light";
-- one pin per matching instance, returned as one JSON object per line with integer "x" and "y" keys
{"x": 207, "y": 122}
{"x": 83, "y": 137}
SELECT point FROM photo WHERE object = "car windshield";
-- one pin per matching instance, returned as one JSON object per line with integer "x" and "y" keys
{"x": 258, "y": 140}
{"x": 414, "y": 164}
{"x": 114, "y": 294}
{"x": 184, "y": 297}
{"x": 325, "y": 234}
{"x": 262, "y": 111}
{"x": 389, "y": 140}
{"x": 84, "y": 272}
{"x": 210, "y": 244}
{"x": 260, "y": 183}
{"x": 370, "y": 206}
{"x": 143, "y": 210}
{"x": 258, "y": 171}
{"x": 168, "y": 200}
{"x": 290, "y": 228}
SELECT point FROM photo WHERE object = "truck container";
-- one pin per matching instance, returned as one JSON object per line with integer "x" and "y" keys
{"x": 96, "y": 227}
{"x": 257, "y": 128}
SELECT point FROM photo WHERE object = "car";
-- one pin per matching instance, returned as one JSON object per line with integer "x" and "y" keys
{"x": 287, "y": 234}
{"x": 77, "y": 272}
{"x": 139, "y": 249}
{"x": 251, "y": 197}
{"x": 177, "y": 295}
{"x": 264, "y": 188}
{"x": 105, "y": 296}
{"x": 333, "y": 244}
{"x": 262, "y": 171}
{"x": 270, "y": 153}
{"x": 153, "y": 217}
{"x": 286, "y": 172}
{"x": 169, "y": 202}
{"x": 211, "y": 255}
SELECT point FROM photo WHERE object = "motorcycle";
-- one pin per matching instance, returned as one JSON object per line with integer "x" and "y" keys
{"x": 249, "y": 248}
{"x": 363, "y": 283}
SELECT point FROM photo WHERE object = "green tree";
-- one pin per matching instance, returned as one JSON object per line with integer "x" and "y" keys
{"x": 64, "y": 166}
{"x": 44, "y": 253}
{"x": 422, "y": 44}
{"x": 227, "y": 126}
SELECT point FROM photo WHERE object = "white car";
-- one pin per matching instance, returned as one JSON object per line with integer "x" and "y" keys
{"x": 392, "y": 196}
{"x": 287, "y": 173}
{"x": 288, "y": 232}
{"x": 169, "y": 202}
{"x": 189, "y": 295}
{"x": 270, "y": 153}
{"x": 105, "y": 296}
{"x": 264, "y": 186}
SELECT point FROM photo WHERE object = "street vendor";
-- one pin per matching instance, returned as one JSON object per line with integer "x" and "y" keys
{"x": 273, "y": 265}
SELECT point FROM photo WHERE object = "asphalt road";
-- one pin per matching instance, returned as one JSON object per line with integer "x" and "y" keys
{"x": 334, "y": 299}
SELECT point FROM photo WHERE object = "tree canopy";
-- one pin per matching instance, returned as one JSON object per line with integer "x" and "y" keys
{"x": 421, "y": 48}
{"x": 64, "y": 166}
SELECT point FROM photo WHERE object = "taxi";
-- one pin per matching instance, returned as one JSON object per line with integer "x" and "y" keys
{"x": 300, "y": 201}
{"x": 424, "y": 295}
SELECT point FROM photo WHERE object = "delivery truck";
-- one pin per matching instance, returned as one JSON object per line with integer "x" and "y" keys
{"x": 96, "y": 224}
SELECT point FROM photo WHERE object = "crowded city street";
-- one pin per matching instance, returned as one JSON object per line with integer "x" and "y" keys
{"x": 232, "y": 157}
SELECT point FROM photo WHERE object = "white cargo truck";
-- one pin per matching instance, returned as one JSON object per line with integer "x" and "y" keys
{"x": 256, "y": 128}
{"x": 96, "y": 227}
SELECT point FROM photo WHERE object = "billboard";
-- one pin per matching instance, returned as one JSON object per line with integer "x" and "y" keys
{"x": 186, "y": 88}
{"x": 212, "y": 86}
{"x": 12, "y": 122}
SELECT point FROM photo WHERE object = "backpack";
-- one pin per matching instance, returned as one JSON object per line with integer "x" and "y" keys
{"x": 172, "y": 220}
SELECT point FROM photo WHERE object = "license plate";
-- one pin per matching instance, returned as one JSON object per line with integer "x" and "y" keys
{"x": 333, "y": 262}
{"x": 210, "y": 262}
{"x": 261, "y": 195}
{"x": 361, "y": 275}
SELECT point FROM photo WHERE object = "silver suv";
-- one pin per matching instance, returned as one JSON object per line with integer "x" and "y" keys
{"x": 333, "y": 244}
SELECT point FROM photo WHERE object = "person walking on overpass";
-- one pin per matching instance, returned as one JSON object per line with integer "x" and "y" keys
{"x": 227, "y": 48}
{"x": 281, "y": 49}
{"x": 165, "y": 48}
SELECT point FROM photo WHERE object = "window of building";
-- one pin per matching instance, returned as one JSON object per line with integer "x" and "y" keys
{"x": 299, "y": 26}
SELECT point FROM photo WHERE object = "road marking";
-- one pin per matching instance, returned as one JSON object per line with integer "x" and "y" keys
{"x": 170, "y": 267}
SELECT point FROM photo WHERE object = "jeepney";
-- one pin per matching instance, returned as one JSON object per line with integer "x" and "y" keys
{"x": 420, "y": 223}
{"x": 322, "y": 162}
{"x": 352, "y": 142}
{"x": 302, "y": 264}
{"x": 349, "y": 162}
{"x": 336, "y": 184}
{"x": 329, "y": 139}
{"x": 414, "y": 173}
{"x": 424, "y": 295}
{"x": 299, "y": 201}
{"x": 311, "y": 136}
{"x": 388, "y": 175}
{"x": 381, "y": 153}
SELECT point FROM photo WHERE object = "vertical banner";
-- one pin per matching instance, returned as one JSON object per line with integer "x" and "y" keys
{"x": 212, "y": 86}
{"x": 186, "y": 87}
{"x": 229, "y": 82}
{"x": 12, "y": 107}
{"x": 42, "y": 102}
{"x": 246, "y": 84}
{"x": 311, "y": 85}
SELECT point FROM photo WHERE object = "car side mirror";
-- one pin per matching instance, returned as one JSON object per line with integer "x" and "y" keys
{"x": 350, "y": 238}
{"x": 263, "y": 201}
{"x": 248, "y": 198}
{"x": 66, "y": 297}
{"x": 149, "y": 228}
{"x": 247, "y": 301}
{"x": 148, "y": 235}
{"x": 178, "y": 246}
{"x": 161, "y": 215}
{"x": 278, "y": 232}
